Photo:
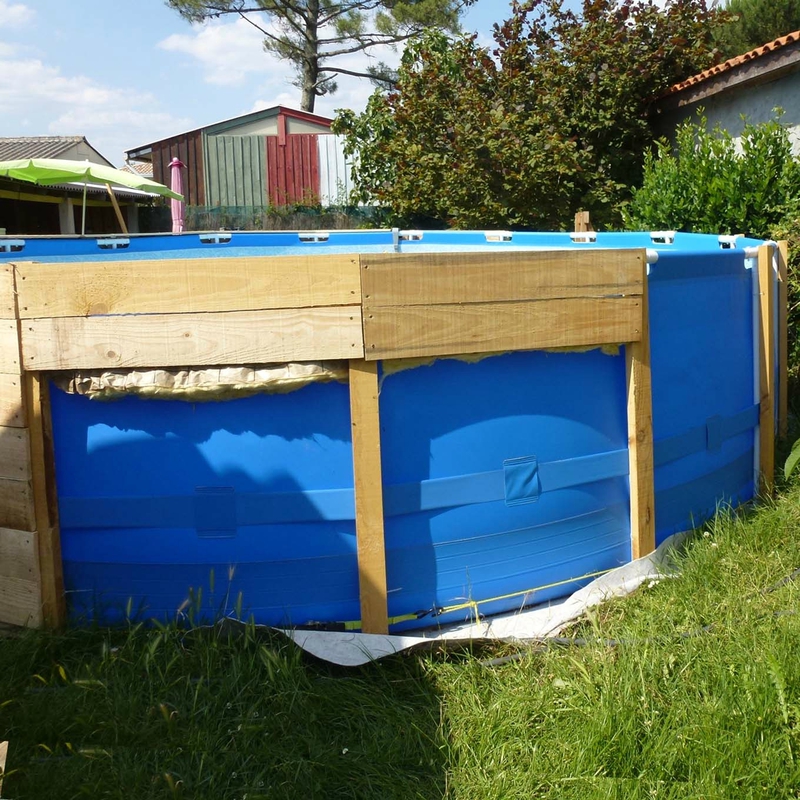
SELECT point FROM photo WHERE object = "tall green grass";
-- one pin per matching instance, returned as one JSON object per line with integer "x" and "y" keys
{"x": 688, "y": 689}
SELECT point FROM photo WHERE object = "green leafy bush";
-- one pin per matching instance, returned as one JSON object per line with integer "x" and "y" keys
{"x": 711, "y": 183}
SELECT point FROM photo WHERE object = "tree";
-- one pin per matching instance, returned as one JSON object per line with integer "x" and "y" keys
{"x": 752, "y": 23}
{"x": 554, "y": 119}
{"x": 313, "y": 34}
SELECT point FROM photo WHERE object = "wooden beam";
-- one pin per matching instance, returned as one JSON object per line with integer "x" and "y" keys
{"x": 414, "y": 279}
{"x": 3, "y": 756}
{"x": 117, "y": 209}
{"x": 640, "y": 440}
{"x": 187, "y": 285}
{"x": 368, "y": 484}
{"x": 173, "y": 340}
{"x": 414, "y": 331}
{"x": 15, "y": 458}
{"x": 54, "y": 613}
{"x": 767, "y": 368}
{"x": 783, "y": 338}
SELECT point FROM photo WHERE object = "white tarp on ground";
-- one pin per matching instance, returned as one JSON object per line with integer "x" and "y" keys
{"x": 352, "y": 649}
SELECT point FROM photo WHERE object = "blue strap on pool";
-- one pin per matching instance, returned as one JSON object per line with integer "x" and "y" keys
{"x": 218, "y": 511}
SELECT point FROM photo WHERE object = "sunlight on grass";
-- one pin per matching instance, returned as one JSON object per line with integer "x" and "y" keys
{"x": 699, "y": 696}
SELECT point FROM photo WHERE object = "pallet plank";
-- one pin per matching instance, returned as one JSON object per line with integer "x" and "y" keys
{"x": 441, "y": 278}
{"x": 12, "y": 409}
{"x": 19, "y": 602}
{"x": 16, "y": 505}
{"x": 415, "y": 331}
{"x": 187, "y": 285}
{"x": 15, "y": 454}
{"x": 9, "y": 347}
{"x": 167, "y": 340}
{"x": 369, "y": 496}
{"x": 7, "y": 304}
{"x": 18, "y": 555}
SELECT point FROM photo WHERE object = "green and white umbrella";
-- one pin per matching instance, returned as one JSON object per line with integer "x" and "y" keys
{"x": 52, "y": 171}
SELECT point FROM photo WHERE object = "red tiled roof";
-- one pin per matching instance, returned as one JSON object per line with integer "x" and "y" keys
{"x": 732, "y": 63}
{"x": 143, "y": 168}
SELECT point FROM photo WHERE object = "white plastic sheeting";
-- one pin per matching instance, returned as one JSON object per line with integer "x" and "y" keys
{"x": 353, "y": 649}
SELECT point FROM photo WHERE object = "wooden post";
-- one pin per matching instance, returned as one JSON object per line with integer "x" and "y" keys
{"x": 45, "y": 501}
{"x": 766, "y": 423}
{"x": 3, "y": 756}
{"x": 117, "y": 209}
{"x": 368, "y": 484}
{"x": 640, "y": 436}
{"x": 783, "y": 338}
{"x": 582, "y": 222}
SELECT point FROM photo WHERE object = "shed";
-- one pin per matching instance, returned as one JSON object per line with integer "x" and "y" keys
{"x": 752, "y": 85}
{"x": 265, "y": 157}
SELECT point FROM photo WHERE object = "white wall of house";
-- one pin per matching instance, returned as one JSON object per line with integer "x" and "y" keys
{"x": 757, "y": 103}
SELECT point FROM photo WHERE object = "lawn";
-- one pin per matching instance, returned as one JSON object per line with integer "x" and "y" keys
{"x": 689, "y": 688}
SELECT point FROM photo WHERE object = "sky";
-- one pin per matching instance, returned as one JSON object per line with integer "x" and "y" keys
{"x": 124, "y": 73}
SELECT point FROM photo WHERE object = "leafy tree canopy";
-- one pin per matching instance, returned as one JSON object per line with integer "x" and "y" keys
{"x": 314, "y": 34}
{"x": 751, "y": 23}
{"x": 554, "y": 119}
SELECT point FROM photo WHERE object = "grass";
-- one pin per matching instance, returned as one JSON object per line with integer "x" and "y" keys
{"x": 698, "y": 696}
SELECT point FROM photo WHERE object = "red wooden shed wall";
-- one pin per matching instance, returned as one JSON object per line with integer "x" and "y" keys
{"x": 188, "y": 148}
{"x": 293, "y": 169}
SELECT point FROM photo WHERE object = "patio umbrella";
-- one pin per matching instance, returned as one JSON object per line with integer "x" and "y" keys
{"x": 51, "y": 171}
{"x": 177, "y": 206}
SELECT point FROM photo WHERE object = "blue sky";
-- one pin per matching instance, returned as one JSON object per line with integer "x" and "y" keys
{"x": 126, "y": 73}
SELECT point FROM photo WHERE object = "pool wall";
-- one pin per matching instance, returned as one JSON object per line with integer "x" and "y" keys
{"x": 426, "y": 490}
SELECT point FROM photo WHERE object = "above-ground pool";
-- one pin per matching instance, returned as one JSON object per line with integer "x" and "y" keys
{"x": 505, "y": 475}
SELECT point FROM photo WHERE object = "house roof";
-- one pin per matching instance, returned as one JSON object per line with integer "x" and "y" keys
{"x": 233, "y": 122}
{"x": 767, "y": 62}
{"x": 143, "y": 168}
{"x": 13, "y": 147}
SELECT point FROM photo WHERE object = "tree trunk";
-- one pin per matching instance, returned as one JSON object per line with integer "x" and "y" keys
{"x": 310, "y": 73}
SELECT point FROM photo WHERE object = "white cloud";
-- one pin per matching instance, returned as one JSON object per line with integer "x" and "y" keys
{"x": 112, "y": 118}
{"x": 15, "y": 15}
{"x": 228, "y": 52}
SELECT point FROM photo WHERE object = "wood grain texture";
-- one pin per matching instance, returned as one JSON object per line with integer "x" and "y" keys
{"x": 54, "y": 610}
{"x": 783, "y": 339}
{"x": 442, "y": 278}
{"x": 368, "y": 484}
{"x": 166, "y": 340}
{"x": 16, "y": 505}
{"x": 19, "y": 602}
{"x": 766, "y": 425}
{"x": 9, "y": 347}
{"x": 15, "y": 454}
{"x": 640, "y": 441}
{"x": 412, "y": 331}
{"x": 3, "y": 756}
{"x": 18, "y": 556}
{"x": 12, "y": 409}
{"x": 187, "y": 285}
{"x": 7, "y": 304}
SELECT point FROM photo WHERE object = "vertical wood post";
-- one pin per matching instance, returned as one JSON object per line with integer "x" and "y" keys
{"x": 117, "y": 209}
{"x": 766, "y": 423}
{"x": 368, "y": 484}
{"x": 582, "y": 222}
{"x": 640, "y": 436}
{"x": 783, "y": 338}
{"x": 45, "y": 501}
